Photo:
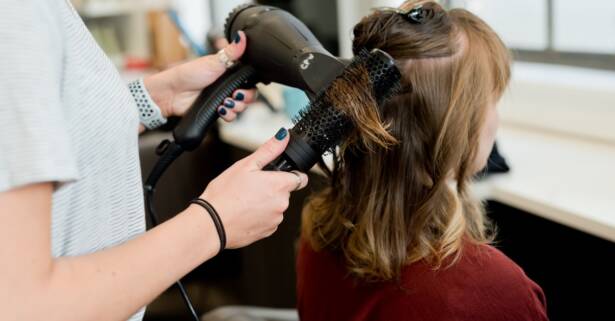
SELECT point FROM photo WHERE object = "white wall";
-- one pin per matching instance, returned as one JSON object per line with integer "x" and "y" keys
{"x": 195, "y": 16}
{"x": 521, "y": 24}
{"x": 575, "y": 101}
{"x": 221, "y": 9}
{"x": 349, "y": 13}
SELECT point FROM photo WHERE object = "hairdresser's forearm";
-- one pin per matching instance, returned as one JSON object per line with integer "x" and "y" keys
{"x": 113, "y": 284}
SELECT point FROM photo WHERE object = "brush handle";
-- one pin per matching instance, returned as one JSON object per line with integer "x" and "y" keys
{"x": 191, "y": 130}
{"x": 298, "y": 155}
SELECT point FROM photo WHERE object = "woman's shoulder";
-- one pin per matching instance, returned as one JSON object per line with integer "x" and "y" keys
{"x": 480, "y": 267}
{"x": 482, "y": 282}
{"x": 474, "y": 259}
{"x": 478, "y": 264}
{"x": 487, "y": 258}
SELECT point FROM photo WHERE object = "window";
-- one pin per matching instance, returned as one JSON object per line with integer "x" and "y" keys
{"x": 589, "y": 27}
{"x": 568, "y": 32}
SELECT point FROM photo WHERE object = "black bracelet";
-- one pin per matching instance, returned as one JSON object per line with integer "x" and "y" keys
{"x": 214, "y": 217}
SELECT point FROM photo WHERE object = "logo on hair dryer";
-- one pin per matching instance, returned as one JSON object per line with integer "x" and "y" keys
{"x": 307, "y": 61}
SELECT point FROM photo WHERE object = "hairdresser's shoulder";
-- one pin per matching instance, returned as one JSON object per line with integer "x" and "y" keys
{"x": 29, "y": 25}
{"x": 26, "y": 8}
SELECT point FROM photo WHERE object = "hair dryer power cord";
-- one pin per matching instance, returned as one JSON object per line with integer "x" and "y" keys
{"x": 169, "y": 152}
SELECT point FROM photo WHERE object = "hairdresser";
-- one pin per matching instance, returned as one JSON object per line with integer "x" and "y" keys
{"x": 73, "y": 244}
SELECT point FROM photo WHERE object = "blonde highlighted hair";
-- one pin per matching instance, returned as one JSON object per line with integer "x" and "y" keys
{"x": 390, "y": 201}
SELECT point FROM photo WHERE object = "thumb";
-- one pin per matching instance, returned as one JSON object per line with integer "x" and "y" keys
{"x": 236, "y": 46}
{"x": 204, "y": 71}
{"x": 268, "y": 151}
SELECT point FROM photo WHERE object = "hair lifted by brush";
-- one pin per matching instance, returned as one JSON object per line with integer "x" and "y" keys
{"x": 390, "y": 201}
{"x": 361, "y": 107}
{"x": 342, "y": 112}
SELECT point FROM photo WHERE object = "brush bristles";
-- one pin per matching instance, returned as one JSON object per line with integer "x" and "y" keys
{"x": 369, "y": 80}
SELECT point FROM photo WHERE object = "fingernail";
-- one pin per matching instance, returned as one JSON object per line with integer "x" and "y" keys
{"x": 239, "y": 96}
{"x": 229, "y": 103}
{"x": 281, "y": 134}
{"x": 222, "y": 111}
{"x": 236, "y": 37}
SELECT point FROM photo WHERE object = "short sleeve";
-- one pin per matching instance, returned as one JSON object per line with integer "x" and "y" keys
{"x": 35, "y": 144}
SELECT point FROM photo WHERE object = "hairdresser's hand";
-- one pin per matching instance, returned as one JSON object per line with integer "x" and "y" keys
{"x": 250, "y": 201}
{"x": 175, "y": 89}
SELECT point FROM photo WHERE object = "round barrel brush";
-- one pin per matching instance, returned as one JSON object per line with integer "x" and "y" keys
{"x": 324, "y": 123}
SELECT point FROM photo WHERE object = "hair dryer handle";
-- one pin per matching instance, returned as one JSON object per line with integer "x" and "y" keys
{"x": 191, "y": 130}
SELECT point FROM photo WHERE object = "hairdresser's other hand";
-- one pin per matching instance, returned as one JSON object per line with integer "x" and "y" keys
{"x": 250, "y": 201}
{"x": 175, "y": 89}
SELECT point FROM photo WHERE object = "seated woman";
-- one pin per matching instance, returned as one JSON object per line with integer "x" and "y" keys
{"x": 396, "y": 235}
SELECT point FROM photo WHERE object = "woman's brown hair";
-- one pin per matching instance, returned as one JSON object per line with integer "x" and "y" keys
{"x": 392, "y": 202}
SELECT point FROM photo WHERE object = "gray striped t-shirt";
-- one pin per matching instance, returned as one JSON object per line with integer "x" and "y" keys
{"x": 67, "y": 117}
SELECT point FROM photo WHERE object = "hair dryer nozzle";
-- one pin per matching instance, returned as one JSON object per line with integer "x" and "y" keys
{"x": 282, "y": 49}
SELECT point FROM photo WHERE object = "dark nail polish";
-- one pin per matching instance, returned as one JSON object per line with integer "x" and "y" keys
{"x": 281, "y": 134}
{"x": 229, "y": 103}
{"x": 239, "y": 96}
{"x": 236, "y": 37}
{"x": 222, "y": 111}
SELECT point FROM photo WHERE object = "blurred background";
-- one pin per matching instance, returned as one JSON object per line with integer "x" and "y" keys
{"x": 554, "y": 203}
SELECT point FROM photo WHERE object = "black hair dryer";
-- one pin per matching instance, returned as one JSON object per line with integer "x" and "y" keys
{"x": 280, "y": 49}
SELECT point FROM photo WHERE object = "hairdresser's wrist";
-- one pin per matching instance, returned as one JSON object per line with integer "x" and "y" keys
{"x": 161, "y": 87}
{"x": 204, "y": 232}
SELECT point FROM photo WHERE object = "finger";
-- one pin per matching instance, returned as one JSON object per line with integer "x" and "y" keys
{"x": 284, "y": 204}
{"x": 236, "y": 46}
{"x": 303, "y": 179}
{"x": 284, "y": 181}
{"x": 292, "y": 181}
{"x": 280, "y": 218}
{"x": 239, "y": 107}
{"x": 268, "y": 151}
{"x": 211, "y": 67}
{"x": 270, "y": 232}
{"x": 220, "y": 43}
{"x": 203, "y": 71}
{"x": 245, "y": 95}
{"x": 226, "y": 114}
{"x": 234, "y": 106}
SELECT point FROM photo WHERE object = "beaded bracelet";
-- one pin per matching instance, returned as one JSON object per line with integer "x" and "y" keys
{"x": 149, "y": 113}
